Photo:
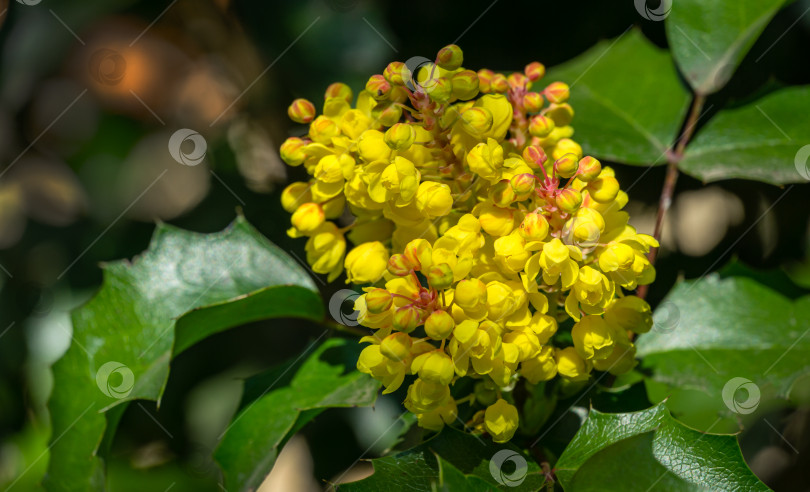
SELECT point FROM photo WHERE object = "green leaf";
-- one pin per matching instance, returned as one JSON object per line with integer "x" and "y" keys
{"x": 665, "y": 455}
{"x": 710, "y": 39}
{"x": 185, "y": 287}
{"x": 628, "y": 100}
{"x": 717, "y": 329}
{"x": 326, "y": 378}
{"x": 464, "y": 459}
{"x": 759, "y": 141}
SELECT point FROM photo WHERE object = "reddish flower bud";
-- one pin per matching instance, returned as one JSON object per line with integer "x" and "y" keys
{"x": 485, "y": 77}
{"x": 534, "y": 155}
{"x": 378, "y": 87}
{"x": 589, "y": 169}
{"x": 301, "y": 111}
{"x": 339, "y": 90}
{"x": 566, "y": 166}
{"x": 379, "y": 301}
{"x": 393, "y": 73}
{"x": 533, "y": 102}
{"x": 399, "y": 265}
{"x": 541, "y": 126}
{"x": 535, "y": 71}
{"x": 569, "y": 200}
{"x": 557, "y": 92}
{"x": 499, "y": 83}
{"x": 450, "y": 57}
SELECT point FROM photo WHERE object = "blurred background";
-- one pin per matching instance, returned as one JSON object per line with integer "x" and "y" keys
{"x": 91, "y": 92}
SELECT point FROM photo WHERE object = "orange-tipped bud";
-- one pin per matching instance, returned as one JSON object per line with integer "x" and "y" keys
{"x": 450, "y": 57}
{"x": 419, "y": 254}
{"x": 378, "y": 301}
{"x": 499, "y": 83}
{"x": 557, "y": 92}
{"x": 378, "y": 87}
{"x": 589, "y": 169}
{"x": 301, "y": 111}
{"x": 535, "y": 71}
{"x": 485, "y": 77}
{"x": 534, "y": 227}
{"x": 440, "y": 276}
{"x": 523, "y": 185}
{"x": 476, "y": 121}
{"x": 517, "y": 80}
{"x": 465, "y": 85}
{"x": 533, "y": 102}
{"x": 292, "y": 151}
{"x": 534, "y": 155}
{"x": 399, "y": 265}
{"x": 393, "y": 73}
{"x": 566, "y": 166}
{"x": 541, "y": 126}
{"x": 339, "y": 90}
{"x": 407, "y": 318}
{"x": 569, "y": 200}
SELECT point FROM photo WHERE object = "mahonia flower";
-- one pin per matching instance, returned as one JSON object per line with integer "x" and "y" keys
{"x": 478, "y": 231}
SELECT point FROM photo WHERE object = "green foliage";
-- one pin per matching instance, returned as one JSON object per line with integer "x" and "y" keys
{"x": 649, "y": 450}
{"x": 184, "y": 287}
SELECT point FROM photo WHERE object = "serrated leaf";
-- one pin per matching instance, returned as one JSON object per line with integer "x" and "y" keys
{"x": 665, "y": 455}
{"x": 627, "y": 98}
{"x": 123, "y": 338}
{"x": 469, "y": 456}
{"x": 717, "y": 329}
{"x": 710, "y": 39}
{"x": 325, "y": 379}
{"x": 760, "y": 141}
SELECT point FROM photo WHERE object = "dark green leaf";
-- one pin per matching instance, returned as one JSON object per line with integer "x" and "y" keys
{"x": 665, "y": 455}
{"x": 710, "y": 331}
{"x": 628, "y": 100}
{"x": 251, "y": 443}
{"x": 759, "y": 141}
{"x": 710, "y": 39}
{"x": 467, "y": 455}
{"x": 222, "y": 279}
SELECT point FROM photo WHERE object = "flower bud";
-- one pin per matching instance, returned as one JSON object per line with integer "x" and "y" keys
{"x": 323, "y": 129}
{"x": 557, "y": 92}
{"x": 534, "y": 227}
{"x": 301, "y": 111}
{"x": 396, "y": 346}
{"x": 561, "y": 114}
{"x": 339, "y": 90}
{"x": 398, "y": 265}
{"x": 517, "y": 80}
{"x": 566, "y": 166}
{"x": 435, "y": 367}
{"x": 406, "y": 318}
{"x": 499, "y": 83}
{"x": 465, "y": 85}
{"x": 535, "y": 156}
{"x": 400, "y": 136}
{"x": 378, "y": 301}
{"x": 589, "y": 169}
{"x": 501, "y": 421}
{"x": 378, "y": 87}
{"x": 523, "y": 185}
{"x": 308, "y": 217}
{"x": 485, "y": 77}
{"x": 440, "y": 89}
{"x": 389, "y": 115}
{"x": 366, "y": 263}
{"x": 471, "y": 293}
{"x": 292, "y": 151}
{"x": 535, "y": 71}
{"x": 476, "y": 121}
{"x": 440, "y": 276}
{"x": 501, "y": 193}
{"x": 393, "y": 73}
{"x": 419, "y": 254}
{"x": 603, "y": 189}
{"x": 540, "y": 126}
{"x": 569, "y": 200}
{"x": 439, "y": 325}
{"x": 295, "y": 195}
{"x": 434, "y": 199}
{"x": 450, "y": 57}
{"x": 533, "y": 102}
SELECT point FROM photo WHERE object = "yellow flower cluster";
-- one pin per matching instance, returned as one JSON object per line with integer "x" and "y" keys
{"x": 478, "y": 228}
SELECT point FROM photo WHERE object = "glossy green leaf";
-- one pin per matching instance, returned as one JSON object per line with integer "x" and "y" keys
{"x": 766, "y": 140}
{"x": 628, "y": 101}
{"x": 717, "y": 333}
{"x": 464, "y": 459}
{"x": 665, "y": 455}
{"x": 325, "y": 379}
{"x": 185, "y": 287}
{"x": 710, "y": 39}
